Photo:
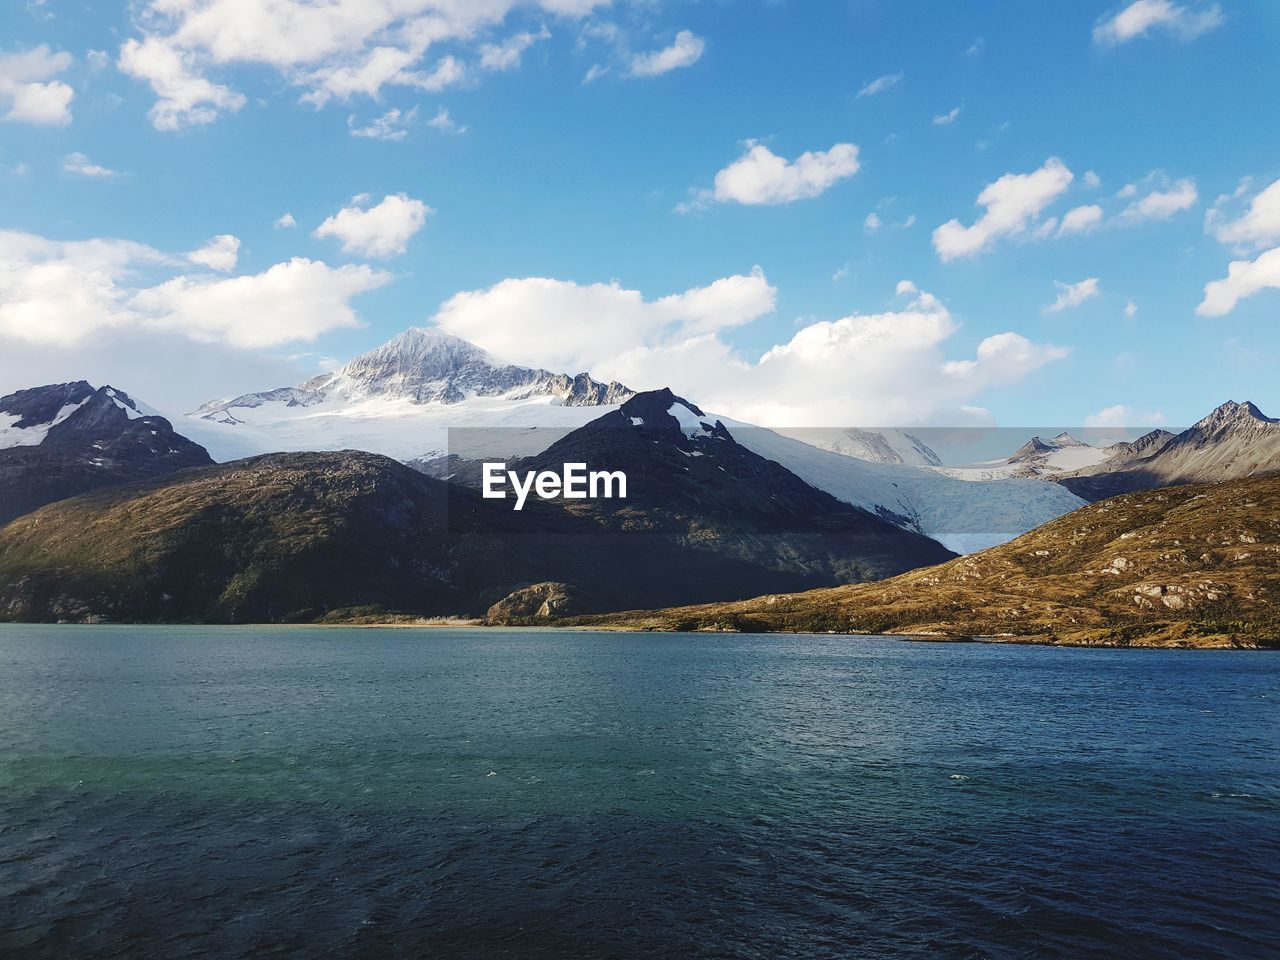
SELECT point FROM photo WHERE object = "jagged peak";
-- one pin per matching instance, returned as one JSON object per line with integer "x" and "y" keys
{"x": 1231, "y": 413}
{"x": 1065, "y": 439}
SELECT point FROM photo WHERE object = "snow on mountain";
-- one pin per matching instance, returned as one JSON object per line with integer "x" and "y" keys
{"x": 1035, "y": 458}
{"x": 27, "y": 416}
{"x": 402, "y": 399}
{"x": 963, "y": 516}
{"x": 877, "y": 446}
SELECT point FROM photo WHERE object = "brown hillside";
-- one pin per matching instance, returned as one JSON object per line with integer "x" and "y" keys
{"x": 1183, "y": 566}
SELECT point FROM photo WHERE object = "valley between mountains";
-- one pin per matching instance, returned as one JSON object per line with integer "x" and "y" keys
{"x": 355, "y": 496}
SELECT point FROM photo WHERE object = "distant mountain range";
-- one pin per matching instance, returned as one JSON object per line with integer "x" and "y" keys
{"x": 441, "y": 404}
{"x": 65, "y": 439}
{"x": 1195, "y": 566}
{"x": 717, "y": 509}
{"x": 298, "y": 536}
{"x": 1233, "y": 442}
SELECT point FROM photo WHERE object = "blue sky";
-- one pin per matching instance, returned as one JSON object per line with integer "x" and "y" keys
{"x": 508, "y": 169}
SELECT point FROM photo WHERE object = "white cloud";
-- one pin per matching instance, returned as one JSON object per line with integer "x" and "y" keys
{"x": 1244, "y": 279}
{"x": 1092, "y": 180}
{"x": 444, "y": 123}
{"x": 1013, "y": 204}
{"x": 184, "y": 98}
{"x": 286, "y": 221}
{"x": 220, "y": 253}
{"x": 1256, "y": 227}
{"x": 61, "y": 293}
{"x": 391, "y": 126}
{"x": 383, "y": 230}
{"x": 1122, "y": 415}
{"x": 1073, "y": 294}
{"x": 1185, "y": 21}
{"x": 1080, "y": 219}
{"x": 872, "y": 223}
{"x": 29, "y": 93}
{"x": 1160, "y": 202}
{"x": 507, "y": 55}
{"x": 886, "y": 367}
{"x": 81, "y": 166}
{"x": 760, "y": 177}
{"x": 1130, "y": 309}
{"x": 337, "y": 49}
{"x": 880, "y": 84}
{"x": 942, "y": 119}
{"x": 842, "y": 273}
{"x": 685, "y": 51}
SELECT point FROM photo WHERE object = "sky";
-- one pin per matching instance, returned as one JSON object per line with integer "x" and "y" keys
{"x": 828, "y": 212}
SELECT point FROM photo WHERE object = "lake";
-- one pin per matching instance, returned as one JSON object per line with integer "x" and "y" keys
{"x": 292, "y": 791}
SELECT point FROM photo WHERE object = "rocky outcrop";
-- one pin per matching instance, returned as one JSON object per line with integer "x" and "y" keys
{"x": 540, "y": 601}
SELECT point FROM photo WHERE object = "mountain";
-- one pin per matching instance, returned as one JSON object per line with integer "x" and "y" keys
{"x": 402, "y": 399}
{"x": 877, "y": 446}
{"x": 65, "y": 439}
{"x": 1234, "y": 441}
{"x": 687, "y": 476}
{"x": 1182, "y": 566}
{"x": 298, "y": 536}
{"x": 444, "y": 405}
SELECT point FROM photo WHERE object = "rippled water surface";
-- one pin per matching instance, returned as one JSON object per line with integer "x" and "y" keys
{"x": 251, "y": 792}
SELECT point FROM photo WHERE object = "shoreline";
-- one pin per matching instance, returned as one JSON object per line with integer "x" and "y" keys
{"x": 1208, "y": 642}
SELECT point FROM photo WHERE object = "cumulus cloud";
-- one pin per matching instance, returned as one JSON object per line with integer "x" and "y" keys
{"x": 1080, "y": 219}
{"x": 873, "y": 222}
{"x": 880, "y": 84}
{"x": 59, "y": 293}
{"x": 184, "y": 98}
{"x": 1073, "y": 294}
{"x": 220, "y": 253}
{"x": 1244, "y": 279}
{"x": 685, "y": 51}
{"x": 762, "y": 178}
{"x": 336, "y": 50}
{"x": 28, "y": 94}
{"x": 887, "y": 367}
{"x": 286, "y": 221}
{"x": 80, "y": 165}
{"x": 1158, "y": 198}
{"x": 1257, "y": 227}
{"x": 1143, "y": 17}
{"x": 392, "y": 126}
{"x": 1122, "y": 415}
{"x": 1013, "y": 204}
{"x": 943, "y": 119}
{"x": 382, "y": 231}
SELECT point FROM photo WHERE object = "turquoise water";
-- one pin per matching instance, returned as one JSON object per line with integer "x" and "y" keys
{"x": 250, "y": 792}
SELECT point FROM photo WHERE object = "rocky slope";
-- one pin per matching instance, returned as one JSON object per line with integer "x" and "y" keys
{"x": 66, "y": 439}
{"x": 1181, "y": 566}
{"x": 1234, "y": 441}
